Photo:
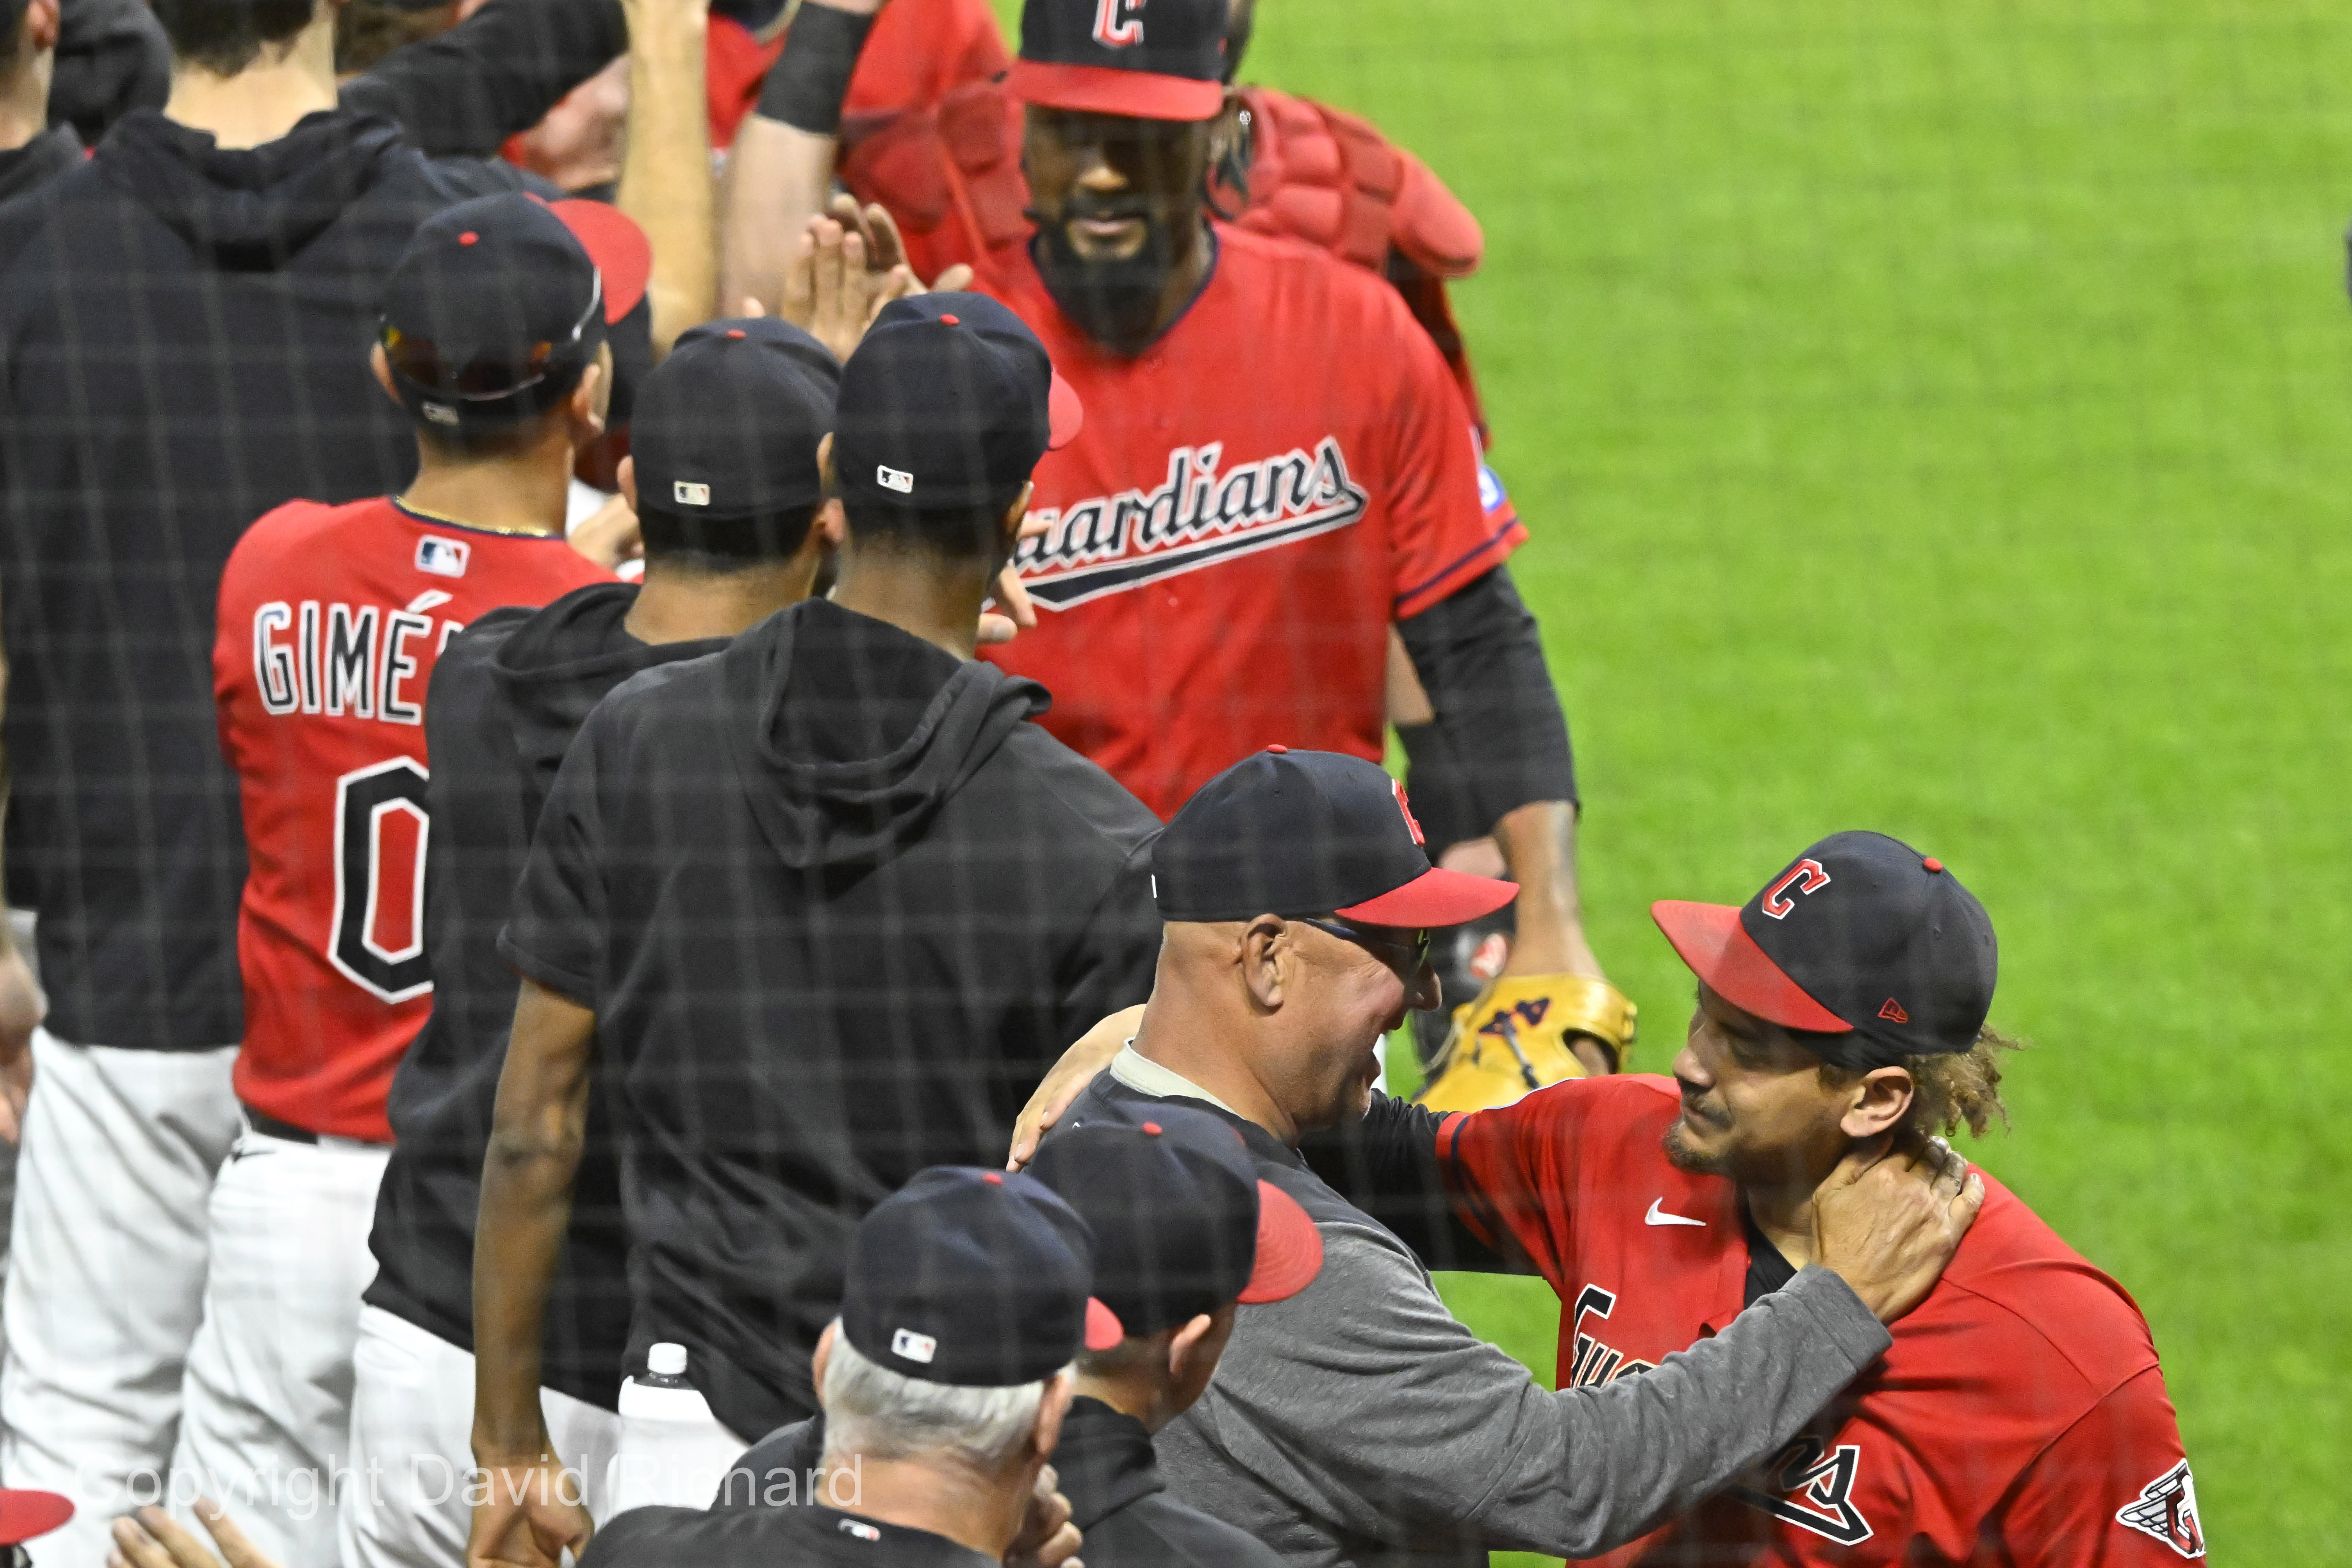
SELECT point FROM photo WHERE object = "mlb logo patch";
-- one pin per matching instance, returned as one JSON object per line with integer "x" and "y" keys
{"x": 912, "y": 1346}
{"x": 440, "y": 413}
{"x": 442, "y": 557}
{"x": 892, "y": 478}
{"x": 686, "y": 494}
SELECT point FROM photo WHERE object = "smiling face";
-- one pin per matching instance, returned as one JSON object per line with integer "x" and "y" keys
{"x": 1756, "y": 1106}
{"x": 1348, "y": 995}
{"x": 1116, "y": 202}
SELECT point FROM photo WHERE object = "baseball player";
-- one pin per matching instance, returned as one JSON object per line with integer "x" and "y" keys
{"x": 332, "y": 619}
{"x": 733, "y": 531}
{"x": 2020, "y": 1419}
{"x": 1284, "y": 470}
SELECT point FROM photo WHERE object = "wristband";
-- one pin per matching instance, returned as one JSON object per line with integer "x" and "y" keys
{"x": 810, "y": 79}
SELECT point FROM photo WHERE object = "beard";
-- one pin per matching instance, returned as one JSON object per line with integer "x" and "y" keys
{"x": 1115, "y": 303}
{"x": 1682, "y": 1156}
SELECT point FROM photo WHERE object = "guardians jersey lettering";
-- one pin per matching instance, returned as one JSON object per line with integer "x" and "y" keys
{"x": 1250, "y": 504}
{"x": 1197, "y": 518}
{"x": 331, "y": 621}
{"x": 2015, "y": 1422}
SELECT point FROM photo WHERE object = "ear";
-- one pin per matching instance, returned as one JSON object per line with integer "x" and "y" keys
{"x": 825, "y": 469}
{"x": 382, "y": 368}
{"x": 829, "y": 527}
{"x": 1880, "y": 1101}
{"x": 1269, "y": 957}
{"x": 626, "y": 476}
{"x": 41, "y": 26}
{"x": 586, "y": 404}
{"x": 1009, "y": 535}
{"x": 1050, "y": 1411}
{"x": 823, "y": 1358}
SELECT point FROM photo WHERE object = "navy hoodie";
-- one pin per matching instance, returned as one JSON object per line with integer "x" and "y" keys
{"x": 837, "y": 905}
{"x": 507, "y": 695}
{"x": 183, "y": 345}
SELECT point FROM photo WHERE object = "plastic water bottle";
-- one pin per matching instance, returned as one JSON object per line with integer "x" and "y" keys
{"x": 673, "y": 1451}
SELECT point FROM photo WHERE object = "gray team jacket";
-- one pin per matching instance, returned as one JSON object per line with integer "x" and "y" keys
{"x": 1358, "y": 1425}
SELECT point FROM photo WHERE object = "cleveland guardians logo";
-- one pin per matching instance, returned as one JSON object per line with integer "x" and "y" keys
{"x": 1202, "y": 514}
{"x": 1810, "y": 1485}
{"x": 1807, "y": 875}
{"x": 2167, "y": 1509}
{"x": 1118, "y": 23}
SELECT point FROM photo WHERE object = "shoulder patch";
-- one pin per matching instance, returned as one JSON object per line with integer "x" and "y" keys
{"x": 2166, "y": 1509}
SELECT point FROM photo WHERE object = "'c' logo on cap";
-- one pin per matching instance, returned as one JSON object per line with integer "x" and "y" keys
{"x": 912, "y": 1346}
{"x": 1406, "y": 806}
{"x": 1807, "y": 873}
{"x": 1118, "y": 23}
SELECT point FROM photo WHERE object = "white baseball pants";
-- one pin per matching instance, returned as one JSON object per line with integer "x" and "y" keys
{"x": 106, "y": 1276}
{"x": 265, "y": 1429}
{"x": 411, "y": 1437}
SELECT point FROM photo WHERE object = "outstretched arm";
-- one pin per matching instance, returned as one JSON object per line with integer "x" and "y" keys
{"x": 536, "y": 1134}
{"x": 780, "y": 168}
{"x": 666, "y": 181}
{"x": 496, "y": 73}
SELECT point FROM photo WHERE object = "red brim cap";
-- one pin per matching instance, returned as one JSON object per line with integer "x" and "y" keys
{"x": 1106, "y": 90}
{"x": 24, "y": 1516}
{"x": 1065, "y": 415}
{"x": 1104, "y": 1331}
{"x": 1436, "y": 898}
{"x": 1720, "y": 951}
{"x": 622, "y": 254}
{"x": 1289, "y": 1249}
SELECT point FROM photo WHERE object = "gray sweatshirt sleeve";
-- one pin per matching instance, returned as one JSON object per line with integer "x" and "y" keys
{"x": 1359, "y": 1422}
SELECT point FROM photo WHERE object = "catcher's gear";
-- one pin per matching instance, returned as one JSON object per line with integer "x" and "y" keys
{"x": 1515, "y": 1038}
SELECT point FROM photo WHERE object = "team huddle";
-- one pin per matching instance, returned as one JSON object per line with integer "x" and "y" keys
{"x": 837, "y": 1013}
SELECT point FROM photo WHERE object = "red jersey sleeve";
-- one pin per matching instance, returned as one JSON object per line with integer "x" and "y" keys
{"x": 1441, "y": 533}
{"x": 1503, "y": 1167}
{"x": 2113, "y": 1492}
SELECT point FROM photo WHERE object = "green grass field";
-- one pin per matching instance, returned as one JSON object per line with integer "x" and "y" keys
{"x": 1937, "y": 417}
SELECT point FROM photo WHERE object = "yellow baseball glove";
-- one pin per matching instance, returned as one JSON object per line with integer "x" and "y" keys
{"x": 1515, "y": 1037}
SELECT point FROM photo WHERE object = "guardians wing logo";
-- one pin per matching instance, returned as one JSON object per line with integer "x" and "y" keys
{"x": 2166, "y": 1510}
{"x": 1199, "y": 516}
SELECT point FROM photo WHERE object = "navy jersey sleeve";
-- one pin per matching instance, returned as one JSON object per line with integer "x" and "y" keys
{"x": 1387, "y": 1165}
{"x": 494, "y": 74}
{"x": 556, "y": 934}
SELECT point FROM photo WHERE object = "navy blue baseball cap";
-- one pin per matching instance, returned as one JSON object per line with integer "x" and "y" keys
{"x": 1182, "y": 1223}
{"x": 1305, "y": 832}
{"x": 1861, "y": 940}
{"x": 497, "y": 304}
{"x": 976, "y": 1278}
{"x": 727, "y": 427}
{"x": 946, "y": 405}
{"x": 1161, "y": 60}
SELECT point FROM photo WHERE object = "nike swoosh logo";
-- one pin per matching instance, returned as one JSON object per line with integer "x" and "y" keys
{"x": 1659, "y": 1216}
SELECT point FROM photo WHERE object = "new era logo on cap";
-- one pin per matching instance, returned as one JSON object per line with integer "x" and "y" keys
{"x": 913, "y": 1346}
{"x": 686, "y": 493}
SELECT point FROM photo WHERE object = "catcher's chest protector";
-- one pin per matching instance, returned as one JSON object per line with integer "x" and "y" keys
{"x": 949, "y": 173}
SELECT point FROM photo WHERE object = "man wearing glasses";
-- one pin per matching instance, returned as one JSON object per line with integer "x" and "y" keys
{"x": 1357, "y": 1421}
{"x": 332, "y": 619}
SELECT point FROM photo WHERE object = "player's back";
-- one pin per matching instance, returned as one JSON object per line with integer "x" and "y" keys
{"x": 330, "y": 620}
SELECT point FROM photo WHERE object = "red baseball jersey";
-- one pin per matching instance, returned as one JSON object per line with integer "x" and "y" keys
{"x": 2021, "y": 1417}
{"x": 1250, "y": 503}
{"x": 331, "y": 621}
